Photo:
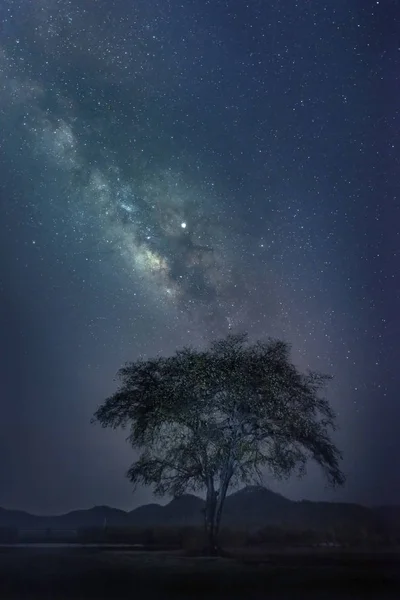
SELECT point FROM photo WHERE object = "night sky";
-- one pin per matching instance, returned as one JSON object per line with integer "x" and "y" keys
{"x": 174, "y": 170}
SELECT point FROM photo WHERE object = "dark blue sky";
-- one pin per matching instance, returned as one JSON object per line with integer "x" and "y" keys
{"x": 173, "y": 171}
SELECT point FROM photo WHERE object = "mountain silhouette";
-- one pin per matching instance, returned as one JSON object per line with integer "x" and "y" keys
{"x": 251, "y": 508}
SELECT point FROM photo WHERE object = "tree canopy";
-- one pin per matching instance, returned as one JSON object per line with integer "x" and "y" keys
{"x": 211, "y": 419}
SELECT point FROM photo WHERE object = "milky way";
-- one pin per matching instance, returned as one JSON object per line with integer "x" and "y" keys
{"x": 173, "y": 233}
{"x": 174, "y": 172}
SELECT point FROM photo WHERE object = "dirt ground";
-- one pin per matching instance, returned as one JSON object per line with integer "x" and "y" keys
{"x": 80, "y": 574}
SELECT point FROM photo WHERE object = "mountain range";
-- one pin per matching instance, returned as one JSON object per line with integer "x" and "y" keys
{"x": 251, "y": 508}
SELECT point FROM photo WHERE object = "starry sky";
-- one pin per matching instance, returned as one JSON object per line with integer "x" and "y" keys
{"x": 174, "y": 170}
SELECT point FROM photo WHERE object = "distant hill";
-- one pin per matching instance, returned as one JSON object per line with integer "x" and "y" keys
{"x": 251, "y": 508}
{"x": 255, "y": 507}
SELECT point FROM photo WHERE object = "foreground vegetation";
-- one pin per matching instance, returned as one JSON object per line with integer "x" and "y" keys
{"x": 84, "y": 573}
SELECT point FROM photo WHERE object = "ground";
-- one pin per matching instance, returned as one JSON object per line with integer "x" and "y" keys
{"x": 83, "y": 573}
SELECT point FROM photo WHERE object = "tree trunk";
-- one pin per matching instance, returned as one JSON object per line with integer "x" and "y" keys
{"x": 213, "y": 510}
{"x": 225, "y": 481}
{"x": 209, "y": 520}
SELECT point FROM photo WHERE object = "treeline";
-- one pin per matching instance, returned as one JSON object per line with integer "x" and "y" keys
{"x": 192, "y": 538}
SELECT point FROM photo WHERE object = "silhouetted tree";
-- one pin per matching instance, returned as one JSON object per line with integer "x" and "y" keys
{"x": 212, "y": 419}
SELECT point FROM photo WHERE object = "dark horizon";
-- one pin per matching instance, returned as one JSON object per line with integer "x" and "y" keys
{"x": 174, "y": 172}
{"x": 167, "y": 500}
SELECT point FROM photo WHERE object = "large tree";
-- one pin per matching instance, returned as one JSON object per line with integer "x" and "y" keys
{"x": 212, "y": 419}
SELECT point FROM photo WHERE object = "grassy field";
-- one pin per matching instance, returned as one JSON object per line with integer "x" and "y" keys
{"x": 95, "y": 573}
